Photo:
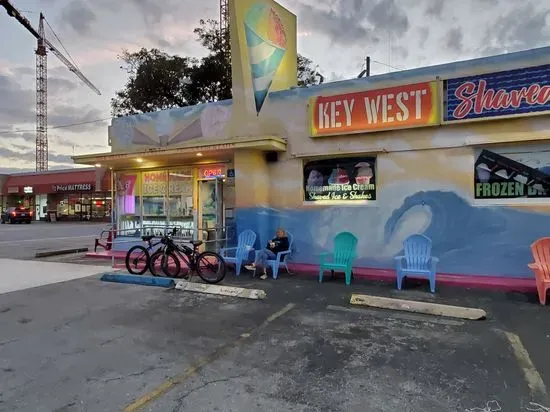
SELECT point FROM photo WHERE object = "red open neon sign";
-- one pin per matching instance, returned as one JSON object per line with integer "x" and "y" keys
{"x": 212, "y": 172}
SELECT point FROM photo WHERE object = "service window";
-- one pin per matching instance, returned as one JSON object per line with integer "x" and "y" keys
{"x": 512, "y": 173}
{"x": 340, "y": 179}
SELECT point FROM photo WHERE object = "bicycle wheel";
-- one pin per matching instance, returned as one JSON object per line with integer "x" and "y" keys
{"x": 155, "y": 263}
{"x": 137, "y": 260}
{"x": 170, "y": 265}
{"x": 210, "y": 267}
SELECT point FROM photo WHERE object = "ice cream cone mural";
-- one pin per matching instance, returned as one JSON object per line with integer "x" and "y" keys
{"x": 266, "y": 42}
{"x": 263, "y": 60}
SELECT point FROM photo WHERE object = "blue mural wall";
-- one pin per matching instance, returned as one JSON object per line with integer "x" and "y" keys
{"x": 469, "y": 240}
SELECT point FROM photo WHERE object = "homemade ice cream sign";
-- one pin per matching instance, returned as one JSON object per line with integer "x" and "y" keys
{"x": 340, "y": 179}
{"x": 513, "y": 93}
{"x": 413, "y": 105}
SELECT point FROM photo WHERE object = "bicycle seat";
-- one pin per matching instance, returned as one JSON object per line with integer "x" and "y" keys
{"x": 196, "y": 243}
{"x": 147, "y": 238}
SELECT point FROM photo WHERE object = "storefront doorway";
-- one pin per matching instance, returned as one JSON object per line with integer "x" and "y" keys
{"x": 41, "y": 207}
{"x": 211, "y": 211}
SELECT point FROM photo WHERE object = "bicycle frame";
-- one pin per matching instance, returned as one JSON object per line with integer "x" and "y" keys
{"x": 184, "y": 253}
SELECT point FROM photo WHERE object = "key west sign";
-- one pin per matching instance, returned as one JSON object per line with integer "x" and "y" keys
{"x": 399, "y": 107}
{"x": 520, "y": 92}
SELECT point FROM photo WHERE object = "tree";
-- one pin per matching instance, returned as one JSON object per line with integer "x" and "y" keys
{"x": 156, "y": 81}
{"x": 211, "y": 78}
{"x": 159, "y": 81}
{"x": 307, "y": 74}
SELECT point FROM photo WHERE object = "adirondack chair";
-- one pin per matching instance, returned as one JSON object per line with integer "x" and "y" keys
{"x": 345, "y": 252}
{"x": 281, "y": 258}
{"x": 541, "y": 267}
{"x": 418, "y": 260}
{"x": 240, "y": 253}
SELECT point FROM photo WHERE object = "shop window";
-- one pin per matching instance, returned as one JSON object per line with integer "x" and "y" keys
{"x": 155, "y": 195}
{"x": 349, "y": 179}
{"x": 128, "y": 202}
{"x": 520, "y": 172}
{"x": 180, "y": 198}
{"x": 101, "y": 206}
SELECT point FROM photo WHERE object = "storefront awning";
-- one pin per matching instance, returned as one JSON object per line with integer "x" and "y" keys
{"x": 46, "y": 182}
{"x": 207, "y": 152}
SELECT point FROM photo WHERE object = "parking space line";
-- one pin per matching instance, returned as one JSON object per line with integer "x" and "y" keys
{"x": 531, "y": 374}
{"x": 169, "y": 383}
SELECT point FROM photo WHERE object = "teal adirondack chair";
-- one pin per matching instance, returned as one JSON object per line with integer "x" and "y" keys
{"x": 345, "y": 252}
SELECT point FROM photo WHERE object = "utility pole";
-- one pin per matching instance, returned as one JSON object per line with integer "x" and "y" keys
{"x": 366, "y": 72}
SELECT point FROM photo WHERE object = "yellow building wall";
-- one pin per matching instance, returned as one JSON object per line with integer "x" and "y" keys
{"x": 252, "y": 180}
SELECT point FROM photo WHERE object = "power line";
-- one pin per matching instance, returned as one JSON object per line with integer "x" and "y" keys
{"x": 55, "y": 127}
{"x": 388, "y": 65}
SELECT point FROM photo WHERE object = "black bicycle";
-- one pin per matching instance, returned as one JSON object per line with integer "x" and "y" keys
{"x": 138, "y": 257}
{"x": 210, "y": 266}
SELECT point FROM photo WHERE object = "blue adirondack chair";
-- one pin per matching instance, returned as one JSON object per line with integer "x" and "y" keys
{"x": 345, "y": 252}
{"x": 240, "y": 253}
{"x": 281, "y": 258}
{"x": 418, "y": 260}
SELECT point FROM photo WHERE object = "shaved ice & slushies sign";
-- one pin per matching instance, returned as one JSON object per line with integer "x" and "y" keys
{"x": 512, "y": 93}
{"x": 266, "y": 40}
{"x": 343, "y": 179}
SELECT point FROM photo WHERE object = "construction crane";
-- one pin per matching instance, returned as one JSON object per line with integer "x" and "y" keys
{"x": 224, "y": 23}
{"x": 43, "y": 45}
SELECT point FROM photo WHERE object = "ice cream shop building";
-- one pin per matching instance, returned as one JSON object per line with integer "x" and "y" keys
{"x": 459, "y": 152}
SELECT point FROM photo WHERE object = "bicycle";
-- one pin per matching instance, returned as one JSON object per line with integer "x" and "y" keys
{"x": 203, "y": 263}
{"x": 139, "y": 264}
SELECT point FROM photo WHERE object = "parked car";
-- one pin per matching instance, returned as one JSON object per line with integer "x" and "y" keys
{"x": 16, "y": 215}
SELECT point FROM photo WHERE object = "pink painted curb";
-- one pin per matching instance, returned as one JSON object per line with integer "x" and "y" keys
{"x": 388, "y": 275}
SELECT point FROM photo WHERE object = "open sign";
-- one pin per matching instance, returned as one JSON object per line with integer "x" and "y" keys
{"x": 212, "y": 173}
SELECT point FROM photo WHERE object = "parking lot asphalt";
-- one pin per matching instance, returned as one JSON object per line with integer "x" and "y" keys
{"x": 22, "y": 241}
{"x": 86, "y": 345}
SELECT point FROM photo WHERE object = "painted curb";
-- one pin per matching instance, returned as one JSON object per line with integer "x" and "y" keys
{"x": 221, "y": 290}
{"x": 434, "y": 309}
{"x": 61, "y": 252}
{"x": 138, "y": 280}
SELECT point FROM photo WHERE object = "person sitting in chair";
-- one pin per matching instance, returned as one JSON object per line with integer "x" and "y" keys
{"x": 278, "y": 244}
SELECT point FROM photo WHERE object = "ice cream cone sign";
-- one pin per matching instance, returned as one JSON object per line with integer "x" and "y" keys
{"x": 263, "y": 60}
{"x": 338, "y": 176}
{"x": 266, "y": 43}
{"x": 363, "y": 173}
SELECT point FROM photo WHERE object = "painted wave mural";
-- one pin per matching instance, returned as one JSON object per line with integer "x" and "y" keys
{"x": 468, "y": 239}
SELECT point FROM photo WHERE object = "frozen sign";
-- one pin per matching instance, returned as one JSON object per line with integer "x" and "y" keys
{"x": 512, "y": 93}
{"x": 397, "y": 107}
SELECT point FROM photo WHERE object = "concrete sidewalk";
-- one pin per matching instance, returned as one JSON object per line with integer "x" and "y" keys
{"x": 23, "y": 274}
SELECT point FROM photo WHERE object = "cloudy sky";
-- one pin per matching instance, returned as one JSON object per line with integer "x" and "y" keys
{"x": 335, "y": 34}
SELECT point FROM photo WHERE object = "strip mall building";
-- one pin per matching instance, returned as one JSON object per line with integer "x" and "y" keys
{"x": 459, "y": 152}
{"x": 72, "y": 194}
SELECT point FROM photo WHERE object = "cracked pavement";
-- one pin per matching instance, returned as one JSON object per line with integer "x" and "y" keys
{"x": 86, "y": 345}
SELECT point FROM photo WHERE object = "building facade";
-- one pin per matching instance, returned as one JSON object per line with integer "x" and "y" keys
{"x": 73, "y": 194}
{"x": 459, "y": 152}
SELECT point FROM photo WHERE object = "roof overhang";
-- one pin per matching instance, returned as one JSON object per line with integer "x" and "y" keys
{"x": 191, "y": 153}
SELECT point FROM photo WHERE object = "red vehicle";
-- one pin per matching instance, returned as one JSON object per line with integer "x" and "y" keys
{"x": 17, "y": 215}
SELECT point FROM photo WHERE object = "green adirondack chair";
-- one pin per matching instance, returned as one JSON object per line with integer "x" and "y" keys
{"x": 341, "y": 260}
